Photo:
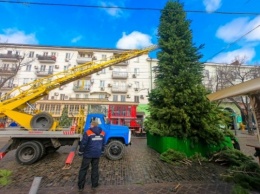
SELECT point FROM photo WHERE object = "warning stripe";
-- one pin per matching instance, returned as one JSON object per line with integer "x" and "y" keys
{"x": 68, "y": 132}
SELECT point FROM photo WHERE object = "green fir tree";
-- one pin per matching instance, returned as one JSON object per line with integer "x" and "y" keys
{"x": 178, "y": 104}
{"x": 65, "y": 121}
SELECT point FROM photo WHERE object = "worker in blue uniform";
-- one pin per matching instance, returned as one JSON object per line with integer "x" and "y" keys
{"x": 91, "y": 148}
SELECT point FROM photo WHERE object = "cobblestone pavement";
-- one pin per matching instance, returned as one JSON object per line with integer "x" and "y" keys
{"x": 140, "y": 171}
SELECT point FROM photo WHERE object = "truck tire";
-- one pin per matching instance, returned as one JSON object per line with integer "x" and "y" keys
{"x": 115, "y": 150}
{"x": 42, "y": 149}
{"x": 42, "y": 121}
{"x": 28, "y": 153}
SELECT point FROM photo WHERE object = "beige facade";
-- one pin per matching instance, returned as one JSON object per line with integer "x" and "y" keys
{"x": 124, "y": 83}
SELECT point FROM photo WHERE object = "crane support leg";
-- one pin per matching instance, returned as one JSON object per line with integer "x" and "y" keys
{"x": 5, "y": 149}
{"x": 71, "y": 155}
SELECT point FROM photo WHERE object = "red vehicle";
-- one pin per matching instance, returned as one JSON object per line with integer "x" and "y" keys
{"x": 125, "y": 115}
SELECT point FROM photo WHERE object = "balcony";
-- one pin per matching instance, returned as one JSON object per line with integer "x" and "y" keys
{"x": 43, "y": 73}
{"x": 118, "y": 89}
{"x": 81, "y": 88}
{"x": 123, "y": 63}
{"x": 119, "y": 75}
{"x": 9, "y": 71}
{"x": 10, "y": 57}
{"x": 46, "y": 59}
{"x": 7, "y": 87}
{"x": 90, "y": 99}
{"x": 81, "y": 60}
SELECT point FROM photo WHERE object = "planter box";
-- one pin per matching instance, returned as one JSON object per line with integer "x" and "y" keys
{"x": 162, "y": 144}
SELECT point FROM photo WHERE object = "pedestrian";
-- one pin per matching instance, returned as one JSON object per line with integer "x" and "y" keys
{"x": 91, "y": 148}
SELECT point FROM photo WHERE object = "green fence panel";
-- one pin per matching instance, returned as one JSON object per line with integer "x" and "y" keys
{"x": 162, "y": 144}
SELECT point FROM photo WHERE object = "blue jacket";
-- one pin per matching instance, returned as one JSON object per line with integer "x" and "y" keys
{"x": 92, "y": 143}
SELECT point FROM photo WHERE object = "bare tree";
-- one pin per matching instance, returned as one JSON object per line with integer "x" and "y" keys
{"x": 235, "y": 73}
{"x": 10, "y": 63}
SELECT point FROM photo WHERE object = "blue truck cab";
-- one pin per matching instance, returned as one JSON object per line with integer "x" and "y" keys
{"x": 117, "y": 137}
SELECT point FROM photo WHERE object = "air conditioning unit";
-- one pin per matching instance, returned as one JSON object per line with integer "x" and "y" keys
{"x": 128, "y": 96}
{"x": 56, "y": 94}
{"x": 102, "y": 88}
{"x": 36, "y": 67}
{"x": 98, "y": 73}
{"x": 110, "y": 68}
{"x": 88, "y": 89}
{"x": 67, "y": 59}
{"x": 107, "y": 96}
{"x": 142, "y": 96}
{"x": 66, "y": 97}
{"x": 56, "y": 66}
{"x": 134, "y": 75}
{"x": 61, "y": 87}
{"x": 129, "y": 85}
{"x": 109, "y": 85}
{"x": 92, "y": 81}
{"x": 52, "y": 97}
{"x": 136, "y": 89}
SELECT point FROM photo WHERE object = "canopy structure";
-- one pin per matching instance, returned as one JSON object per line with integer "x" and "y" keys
{"x": 250, "y": 88}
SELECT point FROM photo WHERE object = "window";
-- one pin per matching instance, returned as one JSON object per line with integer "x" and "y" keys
{"x": 28, "y": 67}
{"x": 52, "y": 109}
{"x": 43, "y": 67}
{"x": 104, "y": 57}
{"x": 25, "y": 80}
{"x": 67, "y": 56}
{"x": 53, "y": 54}
{"x": 136, "y": 71}
{"x": 102, "y": 83}
{"x": 42, "y": 107}
{"x": 137, "y": 85}
{"x": 115, "y": 98}
{"x": 47, "y": 107}
{"x": 71, "y": 109}
{"x": 31, "y": 54}
{"x": 103, "y": 71}
{"x": 122, "y": 98}
{"x": 45, "y": 53}
{"x": 58, "y": 107}
{"x": 101, "y": 96}
{"x": 50, "y": 71}
{"x": 5, "y": 66}
{"x": 136, "y": 99}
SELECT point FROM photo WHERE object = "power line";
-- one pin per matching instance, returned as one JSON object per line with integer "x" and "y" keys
{"x": 125, "y": 8}
{"x": 230, "y": 44}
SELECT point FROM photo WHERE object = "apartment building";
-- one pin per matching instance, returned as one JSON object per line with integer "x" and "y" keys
{"x": 117, "y": 90}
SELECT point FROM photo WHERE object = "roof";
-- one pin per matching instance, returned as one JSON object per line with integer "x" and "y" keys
{"x": 245, "y": 88}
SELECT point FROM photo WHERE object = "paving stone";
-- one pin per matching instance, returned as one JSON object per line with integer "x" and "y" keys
{"x": 140, "y": 171}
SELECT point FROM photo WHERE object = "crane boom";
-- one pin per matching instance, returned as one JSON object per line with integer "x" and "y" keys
{"x": 12, "y": 103}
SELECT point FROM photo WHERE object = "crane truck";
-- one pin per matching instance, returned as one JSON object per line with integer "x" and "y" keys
{"x": 39, "y": 134}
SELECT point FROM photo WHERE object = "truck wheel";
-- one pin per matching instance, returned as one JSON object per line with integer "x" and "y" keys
{"x": 27, "y": 153}
{"x": 115, "y": 150}
{"x": 42, "y": 121}
{"x": 42, "y": 148}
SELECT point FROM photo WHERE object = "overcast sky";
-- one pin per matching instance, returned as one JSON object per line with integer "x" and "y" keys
{"x": 226, "y": 36}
